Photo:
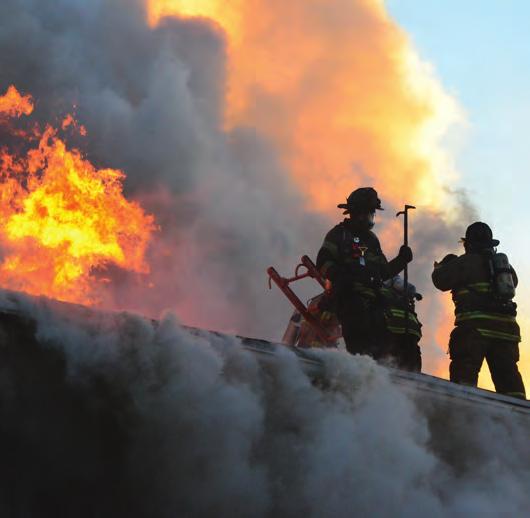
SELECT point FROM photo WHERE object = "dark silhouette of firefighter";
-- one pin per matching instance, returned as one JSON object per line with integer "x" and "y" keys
{"x": 401, "y": 344}
{"x": 403, "y": 329}
{"x": 482, "y": 285}
{"x": 352, "y": 259}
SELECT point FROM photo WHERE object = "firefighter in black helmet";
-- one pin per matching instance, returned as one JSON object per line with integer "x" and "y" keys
{"x": 352, "y": 259}
{"x": 485, "y": 323}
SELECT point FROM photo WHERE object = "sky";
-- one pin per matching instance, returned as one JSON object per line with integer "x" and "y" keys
{"x": 480, "y": 51}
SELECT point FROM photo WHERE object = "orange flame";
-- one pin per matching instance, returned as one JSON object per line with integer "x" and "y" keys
{"x": 12, "y": 104}
{"x": 63, "y": 218}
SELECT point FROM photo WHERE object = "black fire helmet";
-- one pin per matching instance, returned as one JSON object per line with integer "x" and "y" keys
{"x": 479, "y": 234}
{"x": 361, "y": 200}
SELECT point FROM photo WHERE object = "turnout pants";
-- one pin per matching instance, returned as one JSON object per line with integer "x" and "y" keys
{"x": 364, "y": 329}
{"x": 363, "y": 326}
{"x": 468, "y": 349}
{"x": 406, "y": 353}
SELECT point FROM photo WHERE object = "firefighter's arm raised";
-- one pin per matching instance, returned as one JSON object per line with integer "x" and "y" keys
{"x": 514, "y": 276}
{"x": 446, "y": 273}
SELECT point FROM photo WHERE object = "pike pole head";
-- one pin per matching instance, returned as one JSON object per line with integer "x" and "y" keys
{"x": 404, "y": 212}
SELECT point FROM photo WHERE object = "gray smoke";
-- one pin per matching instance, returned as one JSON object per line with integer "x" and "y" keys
{"x": 152, "y": 102}
{"x": 110, "y": 415}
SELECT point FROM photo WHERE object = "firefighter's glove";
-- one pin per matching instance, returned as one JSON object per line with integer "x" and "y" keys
{"x": 447, "y": 259}
{"x": 405, "y": 254}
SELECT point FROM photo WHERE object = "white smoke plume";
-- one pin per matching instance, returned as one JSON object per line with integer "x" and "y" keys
{"x": 111, "y": 415}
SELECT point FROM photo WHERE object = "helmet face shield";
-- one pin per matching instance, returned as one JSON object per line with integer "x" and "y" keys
{"x": 364, "y": 219}
{"x": 370, "y": 219}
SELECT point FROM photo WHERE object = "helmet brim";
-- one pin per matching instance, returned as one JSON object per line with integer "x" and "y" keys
{"x": 347, "y": 209}
{"x": 486, "y": 244}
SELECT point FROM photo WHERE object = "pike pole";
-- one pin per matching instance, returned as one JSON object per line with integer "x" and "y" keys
{"x": 405, "y": 214}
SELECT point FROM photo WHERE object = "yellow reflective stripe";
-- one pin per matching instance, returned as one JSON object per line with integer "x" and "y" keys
{"x": 470, "y": 315}
{"x": 498, "y": 334}
{"x": 401, "y": 331}
{"x": 331, "y": 247}
{"x": 401, "y": 313}
{"x": 481, "y": 287}
{"x": 467, "y": 292}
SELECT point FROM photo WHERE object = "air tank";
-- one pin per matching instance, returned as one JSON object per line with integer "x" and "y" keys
{"x": 503, "y": 279}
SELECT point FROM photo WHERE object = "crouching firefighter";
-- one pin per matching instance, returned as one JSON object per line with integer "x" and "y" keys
{"x": 402, "y": 324}
{"x": 352, "y": 259}
{"x": 482, "y": 285}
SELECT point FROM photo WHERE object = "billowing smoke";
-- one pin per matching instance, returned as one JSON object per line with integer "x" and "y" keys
{"x": 114, "y": 416}
{"x": 110, "y": 415}
{"x": 152, "y": 99}
{"x": 242, "y": 155}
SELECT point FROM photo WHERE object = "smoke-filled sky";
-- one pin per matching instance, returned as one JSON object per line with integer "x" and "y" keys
{"x": 240, "y": 126}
